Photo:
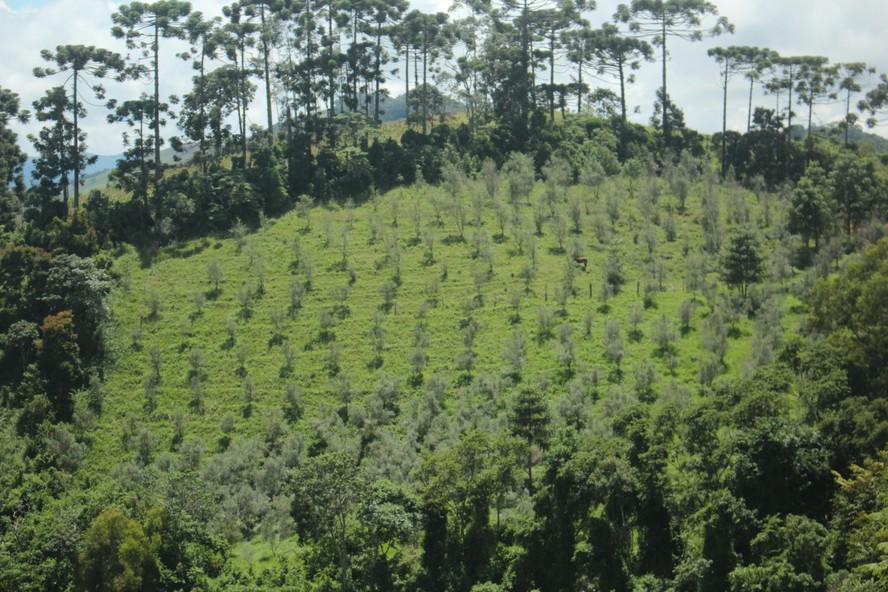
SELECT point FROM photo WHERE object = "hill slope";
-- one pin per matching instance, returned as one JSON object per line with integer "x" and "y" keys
{"x": 238, "y": 347}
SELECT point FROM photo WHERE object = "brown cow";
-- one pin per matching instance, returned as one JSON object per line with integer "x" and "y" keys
{"x": 582, "y": 261}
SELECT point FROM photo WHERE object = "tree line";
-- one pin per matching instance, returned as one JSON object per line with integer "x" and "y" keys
{"x": 325, "y": 66}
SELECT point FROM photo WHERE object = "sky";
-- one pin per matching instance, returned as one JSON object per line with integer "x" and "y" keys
{"x": 846, "y": 31}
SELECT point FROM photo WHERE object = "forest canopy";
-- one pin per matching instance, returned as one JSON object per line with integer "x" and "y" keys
{"x": 527, "y": 345}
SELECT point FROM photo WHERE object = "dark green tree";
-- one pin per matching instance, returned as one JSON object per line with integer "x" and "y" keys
{"x": 133, "y": 171}
{"x": 618, "y": 55}
{"x": 849, "y": 310}
{"x": 876, "y": 101}
{"x": 849, "y": 82}
{"x": 457, "y": 488}
{"x": 789, "y": 553}
{"x": 117, "y": 555}
{"x": 53, "y": 166}
{"x": 331, "y": 486}
{"x": 431, "y": 37}
{"x": 816, "y": 81}
{"x": 203, "y": 35}
{"x": 238, "y": 36}
{"x": 857, "y": 189}
{"x": 12, "y": 159}
{"x": 661, "y": 19}
{"x": 390, "y": 516}
{"x": 529, "y": 420}
{"x": 84, "y": 62}
{"x": 742, "y": 262}
{"x": 733, "y": 60}
{"x": 143, "y": 25}
{"x": 810, "y": 213}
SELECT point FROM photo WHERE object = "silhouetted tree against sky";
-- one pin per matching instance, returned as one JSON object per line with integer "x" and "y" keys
{"x": 691, "y": 20}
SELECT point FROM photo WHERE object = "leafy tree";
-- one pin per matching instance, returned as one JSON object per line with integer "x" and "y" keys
{"x": 137, "y": 21}
{"x": 661, "y": 19}
{"x": 391, "y": 517}
{"x": 54, "y": 163}
{"x": 11, "y": 160}
{"x": 83, "y": 62}
{"x": 857, "y": 189}
{"x": 457, "y": 488}
{"x": 848, "y": 309}
{"x": 788, "y": 554}
{"x": 431, "y": 37}
{"x": 117, "y": 555}
{"x": 859, "y": 523}
{"x": 876, "y": 101}
{"x": 618, "y": 55}
{"x": 60, "y": 361}
{"x": 733, "y": 59}
{"x": 781, "y": 467}
{"x": 520, "y": 174}
{"x": 529, "y": 420}
{"x": 742, "y": 262}
{"x": 331, "y": 485}
{"x": 815, "y": 84}
{"x": 849, "y": 74}
{"x": 810, "y": 213}
{"x": 197, "y": 116}
{"x": 133, "y": 170}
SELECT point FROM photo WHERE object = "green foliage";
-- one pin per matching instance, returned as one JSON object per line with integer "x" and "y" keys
{"x": 117, "y": 555}
{"x": 742, "y": 262}
{"x": 845, "y": 308}
{"x": 810, "y": 213}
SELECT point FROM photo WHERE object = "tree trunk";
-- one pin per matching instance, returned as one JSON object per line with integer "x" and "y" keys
{"x": 265, "y": 53}
{"x": 622, "y": 90}
{"x": 425, "y": 86}
{"x": 244, "y": 105}
{"x": 157, "y": 169}
{"x": 376, "y": 68}
{"x": 552, "y": 76}
{"x": 76, "y": 152}
{"x": 666, "y": 125}
{"x": 727, "y": 73}
{"x": 202, "y": 142}
{"x": 343, "y": 557}
{"x": 331, "y": 75}
{"x": 580, "y": 85}
{"x": 749, "y": 109}
{"x": 407, "y": 85}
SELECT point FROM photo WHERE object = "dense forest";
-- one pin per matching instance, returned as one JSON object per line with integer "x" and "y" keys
{"x": 511, "y": 342}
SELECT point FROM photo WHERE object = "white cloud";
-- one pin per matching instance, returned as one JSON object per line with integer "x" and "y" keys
{"x": 844, "y": 31}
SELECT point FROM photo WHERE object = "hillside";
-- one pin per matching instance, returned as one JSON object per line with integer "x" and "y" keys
{"x": 350, "y": 273}
{"x": 222, "y": 355}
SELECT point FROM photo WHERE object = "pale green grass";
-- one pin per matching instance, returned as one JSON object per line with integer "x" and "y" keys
{"x": 180, "y": 272}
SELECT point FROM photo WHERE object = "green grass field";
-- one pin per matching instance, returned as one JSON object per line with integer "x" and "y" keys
{"x": 205, "y": 341}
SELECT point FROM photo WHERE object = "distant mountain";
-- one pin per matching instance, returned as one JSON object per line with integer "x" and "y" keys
{"x": 394, "y": 108}
{"x": 856, "y": 135}
{"x": 96, "y": 175}
{"x": 103, "y": 163}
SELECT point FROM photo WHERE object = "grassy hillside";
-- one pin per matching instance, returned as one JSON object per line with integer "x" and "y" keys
{"x": 217, "y": 352}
